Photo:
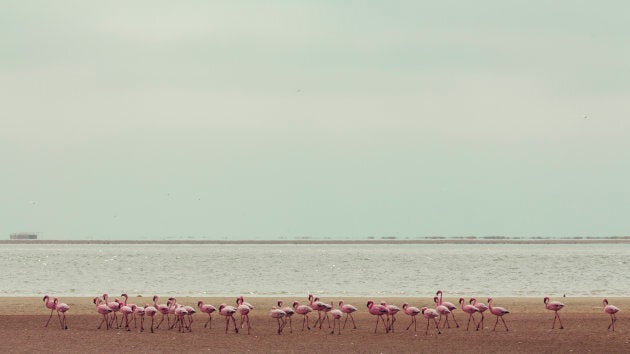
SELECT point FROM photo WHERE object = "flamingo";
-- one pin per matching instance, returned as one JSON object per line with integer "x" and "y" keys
{"x": 180, "y": 315}
{"x": 126, "y": 311}
{"x": 103, "y": 310}
{"x": 378, "y": 310}
{"x": 442, "y": 310}
{"x": 209, "y": 309}
{"x": 190, "y": 311}
{"x": 499, "y": 312}
{"x": 348, "y": 310}
{"x": 172, "y": 306}
{"x": 554, "y": 306}
{"x": 138, "y": 311}
{"x": 278, "y": 314}
{"x": 481, "y": 307}
{"x": 336, "y": 315}
{"x": 470, "y": 310}
{"x": 151, "y": 311}
{"x": 243, "y": 309}
{"x": 611, "y": 310}
{"x": 392, "y": 310}
{"x": 319, "y": 307}
{"x": 326, "y": 309}
{"x": 164, "y": 310}
{"x": 413, "y": 312}
{"x": 430, "y": 314}
{"x": 304, "y": 311}
{"x": 49, "y": 305}
{"x": 133, "y": 314}
{"x": 450, "y": 307}
{"x": 288, "y": 313}
{"x": 228, "y": 312}
{"x": 61, "y": 312}
{"x": 115, "y": 306}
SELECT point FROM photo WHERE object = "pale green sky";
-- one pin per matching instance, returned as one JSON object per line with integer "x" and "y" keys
{"x": 265, "y": 119}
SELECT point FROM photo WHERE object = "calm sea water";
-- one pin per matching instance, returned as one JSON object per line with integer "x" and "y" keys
{"x": 328, "y": 270}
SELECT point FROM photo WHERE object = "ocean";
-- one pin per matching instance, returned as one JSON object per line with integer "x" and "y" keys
{"x": 285, "y": 269}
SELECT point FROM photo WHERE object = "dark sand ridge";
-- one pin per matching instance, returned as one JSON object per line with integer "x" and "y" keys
{"x": 22, "y": 320}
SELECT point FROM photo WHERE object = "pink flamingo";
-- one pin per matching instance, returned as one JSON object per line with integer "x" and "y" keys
{"x": 115, "y": 306}
{"x": 611, "y": 310}
{"x": 413, "y": 312}
{"x": 326, "y": 309}
{"x": 304, "y": 311}
{"x": 190, "y": 312}
{"x": 481, "y": 307}
{"x": 243, "y": 309}
{"x": 164, "y": 310}
{"x": 209, "y": 309}
{"x": 133, "y": 315}
{"x": 180, "y": 315}
{"x": 61, "y": 312}
{"x": 442, "y": 311}
{"x": 49, "y": 305}
{"x": 348, "y": 310}
{"x": 172, "y": 306}
{"x": 151, "y": 311}
{"x": 378, "y": 310}
{"x": 319, "y": 307}
{"x": 288, "y": 313}
{"x": 470, "y": 310}
{"x": 430, "y": 314}
{"x": 138, "y": 311}
{"x": 336, "y": 315}
{"x": 450, "y": 307}
{"x": 126, "y": 311}
{"x": 104, "y": 310}
{"x": 278, "y": 314}
{"x": 392, "y": 310}
{"x": 554, "y": 306}
{"x": 228, "y": 312}
{"x": 499, "y": 312}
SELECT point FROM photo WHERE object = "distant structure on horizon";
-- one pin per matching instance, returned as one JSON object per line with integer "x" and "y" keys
{"x": 23, "y": 236}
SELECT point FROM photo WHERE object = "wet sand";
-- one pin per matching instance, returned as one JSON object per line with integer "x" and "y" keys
{"x": 22, "y": 329}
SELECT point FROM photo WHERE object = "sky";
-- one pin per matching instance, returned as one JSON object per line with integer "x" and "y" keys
{"x": 322, "y": 119}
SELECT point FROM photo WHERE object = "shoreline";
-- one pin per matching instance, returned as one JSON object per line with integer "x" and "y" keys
{"x": 22, "y": 327}
{"x": 482, "y": 241}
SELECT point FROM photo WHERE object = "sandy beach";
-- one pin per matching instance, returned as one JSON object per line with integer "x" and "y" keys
{"x": 22, "y": 328}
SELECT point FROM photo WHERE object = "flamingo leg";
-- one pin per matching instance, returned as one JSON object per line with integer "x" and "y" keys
{"x": 505, "y": 324}
{"x": 413, "y": 322}
{"x": 162, "y": 320}
{"x": 103, "y": 320}
{"x": 384, "y": 325}
{"x": 480, "y": 324}
{"x": 453, "y": 315}
{"x": 559, "y": 320}
{"x": 495, "y": 324}
{"x": 436, "y": 326}
{"x": 205, "y": 325}
{"x": 51, "y": 313}
{"x": 142, "y": 324}
{"x": 152, "y": 319}
{"x": 290, "y": 324}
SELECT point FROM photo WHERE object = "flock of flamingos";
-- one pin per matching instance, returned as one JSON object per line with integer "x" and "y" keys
{"x": 384, "y": 313}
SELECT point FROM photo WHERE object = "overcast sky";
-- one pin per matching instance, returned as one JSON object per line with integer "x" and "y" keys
{"x": 266, "y": 119}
